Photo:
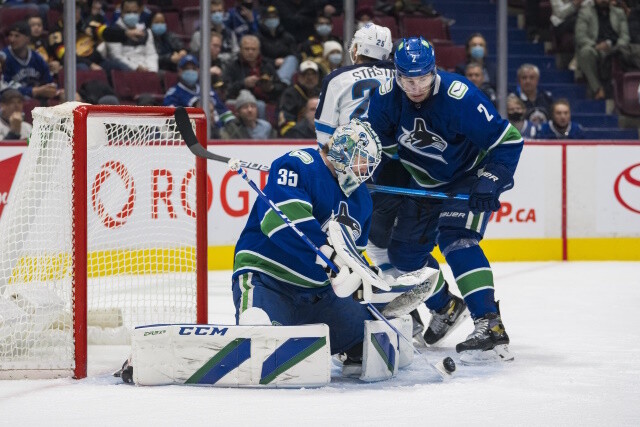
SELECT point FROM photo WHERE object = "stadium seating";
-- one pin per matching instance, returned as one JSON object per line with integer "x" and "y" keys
{"x": 448, "y": 56}
{"x": 625, "y": 92}
{"x": 12, "y": 14}
{"x": 174, "y": 24}
{"x": 190, "y": 19}
{"x": 129, "y": 85}
{"x": 169, "y": 80}
{"x": 84, "y": 76}
{"x": 430, "y": 28}
{"x": 389, "y": 22}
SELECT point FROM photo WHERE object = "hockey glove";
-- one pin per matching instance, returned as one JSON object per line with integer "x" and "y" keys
{"x": 345, "y": 282}
{"x": 493, "y": 180}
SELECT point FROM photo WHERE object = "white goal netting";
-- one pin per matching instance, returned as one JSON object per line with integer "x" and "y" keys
{"x": 141, "y": 234}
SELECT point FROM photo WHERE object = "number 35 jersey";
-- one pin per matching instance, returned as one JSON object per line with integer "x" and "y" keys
{"x": 302, "y": 187}
{"x": 345, "y": 95}
{"x": 451, "y": 134}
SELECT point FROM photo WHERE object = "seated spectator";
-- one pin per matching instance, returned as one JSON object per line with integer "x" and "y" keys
{"x": 24, "y": 67}
{"x": 144, "y": 14}
{"x": 538, "y": 102}
{"x": 633, "y": 21}
{"x": 474, "y": 73}
{"x": 601, "y": 30}
{"x": 278, "y": 45}
{"x": 137, "y": 55}
{"x": 313, "y": 47}
{"x": 516, "y": 115}
{"x": 230, "y": 46}
{"x": 477, "y": 53}
{"x": 40, "y": 43}
{"x": 12, "y": 125}
{"x": 253, "y": 72}
{"x": 248, "y": 125}
{"x": 297, "y": 17}
{"x": 332, "y": 57}
{"x": 187, "y": 94}
{"x": 563, "y": 20}
{"x": 217, "y": 65}
{"x": 560, "y": 126}
{"x": 168, "y": 45}
{"x": 243, "y": 19}
{"x": 294, "y": 98}
{"x": 305, "y": 127}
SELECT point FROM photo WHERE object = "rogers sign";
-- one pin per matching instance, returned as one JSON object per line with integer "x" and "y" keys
{"x": 627, "y": 188}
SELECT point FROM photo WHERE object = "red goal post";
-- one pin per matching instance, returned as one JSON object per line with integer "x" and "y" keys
{"x": 95, "y": 240}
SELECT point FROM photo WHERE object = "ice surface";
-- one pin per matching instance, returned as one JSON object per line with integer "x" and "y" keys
{"x": 575, "y": 333}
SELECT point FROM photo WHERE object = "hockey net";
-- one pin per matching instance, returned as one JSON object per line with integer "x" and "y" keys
{"x": 104, "y": 230}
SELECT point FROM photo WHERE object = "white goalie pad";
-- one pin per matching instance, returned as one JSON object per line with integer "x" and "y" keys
{"x": 383, "y": 351}
{"x": 232, "y": 356}
{"x": 342, "y": 241}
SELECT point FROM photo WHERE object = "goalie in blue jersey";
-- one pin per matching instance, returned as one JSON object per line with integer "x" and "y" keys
{"x": 450, "y": 138}
{"x": 275, "y": 270}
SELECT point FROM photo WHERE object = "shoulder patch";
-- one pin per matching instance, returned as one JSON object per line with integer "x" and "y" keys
{"x": 303, "y": 156}
{"x": 457, "y": 89}
{"x": 386, "y": 87}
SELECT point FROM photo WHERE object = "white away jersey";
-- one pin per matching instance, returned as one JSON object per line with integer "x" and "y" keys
{"x": 345, "y": 94}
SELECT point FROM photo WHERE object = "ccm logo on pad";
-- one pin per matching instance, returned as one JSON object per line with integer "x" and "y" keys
{"x": 202, "y": 330}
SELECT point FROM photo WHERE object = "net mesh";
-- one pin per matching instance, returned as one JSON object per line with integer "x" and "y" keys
{"x": 141, "y": 236}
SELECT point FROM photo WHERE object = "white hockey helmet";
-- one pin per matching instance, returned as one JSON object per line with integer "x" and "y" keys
{"x": 373, "y": 41}
{"x": 355, "y": 152}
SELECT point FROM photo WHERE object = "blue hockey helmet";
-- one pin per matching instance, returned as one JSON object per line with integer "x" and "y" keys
{"x": 415, "y": 62}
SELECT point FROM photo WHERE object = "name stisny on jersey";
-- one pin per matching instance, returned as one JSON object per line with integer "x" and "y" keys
{"x": 371, "y": 72}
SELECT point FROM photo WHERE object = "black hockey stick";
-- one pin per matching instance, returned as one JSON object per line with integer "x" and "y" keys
{"x": 184, "y": 127}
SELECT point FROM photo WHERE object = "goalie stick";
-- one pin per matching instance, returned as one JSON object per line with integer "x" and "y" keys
{"x": 184, "y": 127}
{"x": 186, "y": 131}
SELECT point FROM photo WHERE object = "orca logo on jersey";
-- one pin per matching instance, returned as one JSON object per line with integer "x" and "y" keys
{"x": 344, "y": 218}
{"x": 419, "y": 139}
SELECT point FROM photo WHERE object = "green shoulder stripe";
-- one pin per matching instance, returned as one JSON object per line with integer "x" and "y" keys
{"x": 296, "y": 210}
{"x": 511, "y": 135}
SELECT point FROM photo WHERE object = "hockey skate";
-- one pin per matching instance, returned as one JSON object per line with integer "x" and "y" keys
{"x": 126, "y": 372}
{"x": 446, "y": 320}
{"x": 487, "y": 343}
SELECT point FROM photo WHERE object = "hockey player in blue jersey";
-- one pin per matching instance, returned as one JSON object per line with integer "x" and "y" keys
{"x": 450, "y": 138}
{"x": 275, "y": 270}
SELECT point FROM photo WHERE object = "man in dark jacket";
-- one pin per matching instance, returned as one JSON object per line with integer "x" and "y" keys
{"x": 278, "y": 45}
{"x": 305, "y": 128}
{"x": 294, "y": 98}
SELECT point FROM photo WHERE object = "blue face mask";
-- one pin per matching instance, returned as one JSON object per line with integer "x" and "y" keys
{"x": 217, "y": 18}
{"x": 189, "y": 77}
{"x": 159, "y": 28}
{"x": 323, "y": 30}
{"x": 335, "y": 58}
{"x": 272, "y": 23}
{"x": 131, "y": 19}
{"x": 477, "y": 52}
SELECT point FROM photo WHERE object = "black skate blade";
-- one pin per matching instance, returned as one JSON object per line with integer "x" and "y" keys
{"x": 498, "y": 354}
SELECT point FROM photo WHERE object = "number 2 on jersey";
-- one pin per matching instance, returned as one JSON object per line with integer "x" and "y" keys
{"x": 287, "y": 177}
{"x": 362, "y": 89}
{"x": 483, "y": 109}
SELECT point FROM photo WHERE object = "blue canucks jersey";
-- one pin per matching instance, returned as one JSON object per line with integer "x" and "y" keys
{"x": 304, "y": 189}
{"x": 29, "y": 72}
{"x": 181, "y": 96}
{"x": 450, "y": 135}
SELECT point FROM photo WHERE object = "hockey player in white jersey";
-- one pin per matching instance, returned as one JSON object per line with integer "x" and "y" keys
{"x": 345, "y": 92}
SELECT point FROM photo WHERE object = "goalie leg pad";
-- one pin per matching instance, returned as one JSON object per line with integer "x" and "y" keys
{"x": 232, "y": 356}
{"x": 383, "y": 351}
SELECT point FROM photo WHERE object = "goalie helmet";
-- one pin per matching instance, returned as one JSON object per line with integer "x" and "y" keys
{"x": 373, "y": 41}
{"x": 354, "y": 151}
{"x": 416, "y": 71}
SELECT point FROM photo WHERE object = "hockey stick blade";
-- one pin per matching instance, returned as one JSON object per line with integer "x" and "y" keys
{"x": 186, "y": 131}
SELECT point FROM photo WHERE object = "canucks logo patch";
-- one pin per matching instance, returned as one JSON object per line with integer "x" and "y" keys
{"x": 423, "y": 141}
{"x": 344, "y": 218}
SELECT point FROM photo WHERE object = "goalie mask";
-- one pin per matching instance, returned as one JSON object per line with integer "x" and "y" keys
{"x": 354, "y": 152}
{"x": 373, "y": 41}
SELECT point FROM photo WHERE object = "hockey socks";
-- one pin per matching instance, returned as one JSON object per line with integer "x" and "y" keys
{"x": 474, "y": 278}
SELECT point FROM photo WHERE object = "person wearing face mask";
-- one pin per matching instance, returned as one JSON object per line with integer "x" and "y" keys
{"x": 168, "y": 45}
{"x": 243, "y": 19}
{"x": 516, "y": 115}
{"x": 278, "y": 45}
{"x": 332, "y": 56}
{"x": 187, "y": 94}
{"x": 477, "y": 53}
{"x": 313, "y": 47}
{"x": 219, "y": 19}
{"x": 137, "y": 55}
{"x": 560, "y": 126}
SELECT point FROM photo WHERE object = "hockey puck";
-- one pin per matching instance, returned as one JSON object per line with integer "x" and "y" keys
{"x": 449, "y": 364}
